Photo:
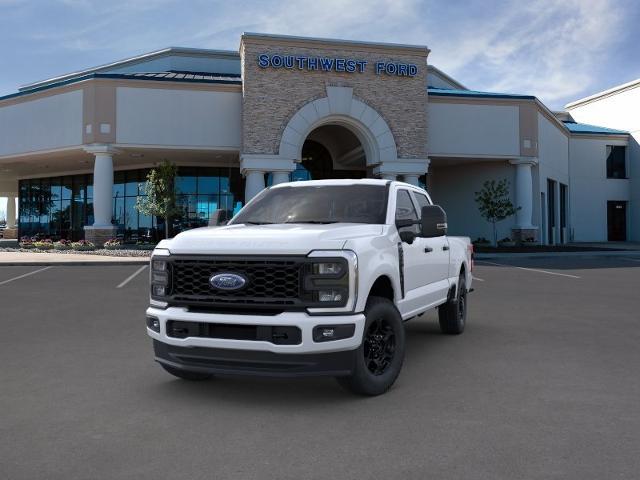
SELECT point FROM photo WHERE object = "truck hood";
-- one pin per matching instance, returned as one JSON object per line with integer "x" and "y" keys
{"x": 269, "y": 239}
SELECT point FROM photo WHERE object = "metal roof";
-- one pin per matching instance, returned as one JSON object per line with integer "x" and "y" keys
{"x": 450, "y": 92}
{"x": 585, "y": 128}
{"x": 187, "y": 77}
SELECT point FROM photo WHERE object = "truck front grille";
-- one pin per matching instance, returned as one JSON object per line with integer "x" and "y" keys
{"x": 271, "y": 282}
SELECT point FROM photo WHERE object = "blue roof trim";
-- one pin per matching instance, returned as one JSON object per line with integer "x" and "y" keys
{"x": 585, "y": 128}
{"x": 446, "y": 92}
{"x": 228, "y": 80}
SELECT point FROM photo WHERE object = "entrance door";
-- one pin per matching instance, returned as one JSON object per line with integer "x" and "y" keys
{"x": 617, "y": 221}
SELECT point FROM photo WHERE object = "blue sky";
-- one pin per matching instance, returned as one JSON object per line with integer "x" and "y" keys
{"x": 559, "y": 50}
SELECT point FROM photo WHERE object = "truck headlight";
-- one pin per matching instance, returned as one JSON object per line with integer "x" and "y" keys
{"x": 327, "y": 282}
{"x": 159, "y": 275}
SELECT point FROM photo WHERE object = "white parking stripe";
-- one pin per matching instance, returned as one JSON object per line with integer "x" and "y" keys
{"x": 25, "y": 275}
{"x": 132, "y": 276}
{"x": 478, "y": 279}
{"x": 528, "y": 269}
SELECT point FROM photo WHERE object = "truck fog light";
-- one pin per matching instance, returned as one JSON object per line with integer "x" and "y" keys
{"x": 154, "y": 324}
{"x": 327, "y": 333}
{"x": 158, "y": 290}
{"x": 329, "y": 296}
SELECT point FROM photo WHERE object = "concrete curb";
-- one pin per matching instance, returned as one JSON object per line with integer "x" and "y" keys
{"x": 87, "y": 263}
{"x": 617, "y": 253}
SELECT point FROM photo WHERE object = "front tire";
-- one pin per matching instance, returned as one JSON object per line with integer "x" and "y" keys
{"x": 453, "y": 314}
{"x": 186, "y": 374}
{"x": 379, "y": 358}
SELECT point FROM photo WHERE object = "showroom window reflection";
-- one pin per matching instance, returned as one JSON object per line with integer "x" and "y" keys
{"x": 59, "y": 207}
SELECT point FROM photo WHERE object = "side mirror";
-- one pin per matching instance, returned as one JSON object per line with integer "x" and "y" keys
{"x": 434, "y": 221}
{"x": 218, "y": 218}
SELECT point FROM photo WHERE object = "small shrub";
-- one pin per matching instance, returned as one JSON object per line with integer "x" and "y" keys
{"x": 62, "y": 244}
{"x": 46, "y": 244}
{"x": 113, "y": 244}
{"x": 83, "y": 245}
{"x": 26, "y": 242}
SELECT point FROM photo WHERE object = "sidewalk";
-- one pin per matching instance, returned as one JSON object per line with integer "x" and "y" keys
{"x": 37, "y": 259}
{"x": 600, "y": 253}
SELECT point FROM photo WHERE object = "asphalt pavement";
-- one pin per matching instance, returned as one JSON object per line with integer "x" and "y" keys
{"x": 543, "y": 384}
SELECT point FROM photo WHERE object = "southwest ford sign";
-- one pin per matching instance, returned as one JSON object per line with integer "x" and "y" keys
{"x": 329, "y": 64}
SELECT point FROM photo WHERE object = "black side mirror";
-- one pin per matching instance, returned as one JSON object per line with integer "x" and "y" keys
{"x": 434, "y": 221}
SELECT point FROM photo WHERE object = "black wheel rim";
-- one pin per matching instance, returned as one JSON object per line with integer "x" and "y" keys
{"x": 379, "y": 346}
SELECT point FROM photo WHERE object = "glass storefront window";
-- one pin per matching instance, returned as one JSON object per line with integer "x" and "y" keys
{"x": 59, "y": 207}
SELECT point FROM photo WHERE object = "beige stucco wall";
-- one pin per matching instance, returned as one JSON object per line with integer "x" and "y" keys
{"x": 271, "y": 96}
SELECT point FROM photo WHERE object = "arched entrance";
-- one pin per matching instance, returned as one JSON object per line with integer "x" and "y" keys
{"x": 332, "y": 151}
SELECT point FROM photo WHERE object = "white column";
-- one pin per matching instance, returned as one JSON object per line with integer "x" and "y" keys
{"x": 524, "y": 192}
{"x": 412, "y": 179}
{"x": 388, "y": 176}
{"x": 11, "y": 212}
{"x": 103, "y": 190}
{"x": 254, "y": 183}
{"x": 280, "y": 177}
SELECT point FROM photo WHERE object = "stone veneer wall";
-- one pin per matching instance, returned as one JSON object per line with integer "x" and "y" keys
{"x": 271, "y": 96}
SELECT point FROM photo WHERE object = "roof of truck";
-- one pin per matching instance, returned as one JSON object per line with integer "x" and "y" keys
{"x": 348, "y": 181}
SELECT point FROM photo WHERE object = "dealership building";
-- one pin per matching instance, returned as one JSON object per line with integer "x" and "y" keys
{"x": 75, "y": 149}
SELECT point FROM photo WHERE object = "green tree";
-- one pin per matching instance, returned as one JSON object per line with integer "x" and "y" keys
{"x": 160, "y": 194}
{"x": 494, "y": 203}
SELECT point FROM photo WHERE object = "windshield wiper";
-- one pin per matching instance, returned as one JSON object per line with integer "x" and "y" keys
{"x": 259, "y": 223}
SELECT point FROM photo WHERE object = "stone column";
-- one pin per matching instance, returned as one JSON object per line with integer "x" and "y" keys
{"x": 388, "y": 176}
{"x": 524, "y": 227}
{"x": 254, "y": 184}
{"x": 102, "y": 229}
{"x": 280, "y": 177}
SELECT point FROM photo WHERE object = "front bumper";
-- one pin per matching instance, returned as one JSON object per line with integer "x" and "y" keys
{"x": 261, "y": 363}
{"x": 301, "y": 320}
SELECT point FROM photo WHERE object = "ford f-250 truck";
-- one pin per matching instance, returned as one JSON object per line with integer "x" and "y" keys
{"x": 309, "y": 278}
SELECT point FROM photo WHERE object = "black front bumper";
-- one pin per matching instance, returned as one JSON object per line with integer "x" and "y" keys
{"x": 250, "y": 362}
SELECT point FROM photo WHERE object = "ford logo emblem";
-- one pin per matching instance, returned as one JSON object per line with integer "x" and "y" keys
{"x": 228, "y": 281}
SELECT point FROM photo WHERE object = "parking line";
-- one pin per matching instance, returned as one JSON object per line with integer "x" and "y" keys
{"x": 25, "y": 275}
{"x": 132, "y": 276}
{"x": 478, "y": 279}
{"x": 528, "y": 269}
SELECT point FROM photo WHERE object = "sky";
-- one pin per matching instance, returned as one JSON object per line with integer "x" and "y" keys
{"x": 558, "y": 50}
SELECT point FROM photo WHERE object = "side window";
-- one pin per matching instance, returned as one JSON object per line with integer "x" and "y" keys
{"x": 422, "y": 200}
{"x": 405, "y": 210}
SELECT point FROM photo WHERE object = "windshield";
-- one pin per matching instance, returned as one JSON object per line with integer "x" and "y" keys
{"x": 317, "y": 204}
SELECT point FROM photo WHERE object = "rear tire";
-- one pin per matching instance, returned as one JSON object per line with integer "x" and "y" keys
{"x": 453, "y": 314}
{"x": 379, "y": 358}
{"x": 186, "y": 374}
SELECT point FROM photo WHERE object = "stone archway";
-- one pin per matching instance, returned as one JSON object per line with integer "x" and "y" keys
{"x": 339, "y": 107}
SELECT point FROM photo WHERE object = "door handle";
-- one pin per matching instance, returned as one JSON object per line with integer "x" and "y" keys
{"x": 428, "y": 249}
{"x": 445, "y": 248}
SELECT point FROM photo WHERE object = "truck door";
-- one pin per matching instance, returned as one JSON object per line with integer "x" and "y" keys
{"x": 435, "y": 259}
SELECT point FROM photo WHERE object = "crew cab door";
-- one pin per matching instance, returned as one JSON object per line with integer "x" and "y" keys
{"x": 435, "y": 260}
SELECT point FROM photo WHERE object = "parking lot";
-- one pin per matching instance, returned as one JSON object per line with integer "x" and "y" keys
{"x": 543, "y": 384}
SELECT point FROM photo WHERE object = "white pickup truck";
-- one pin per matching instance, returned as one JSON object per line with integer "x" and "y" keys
{"x": 309, "y": 278}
